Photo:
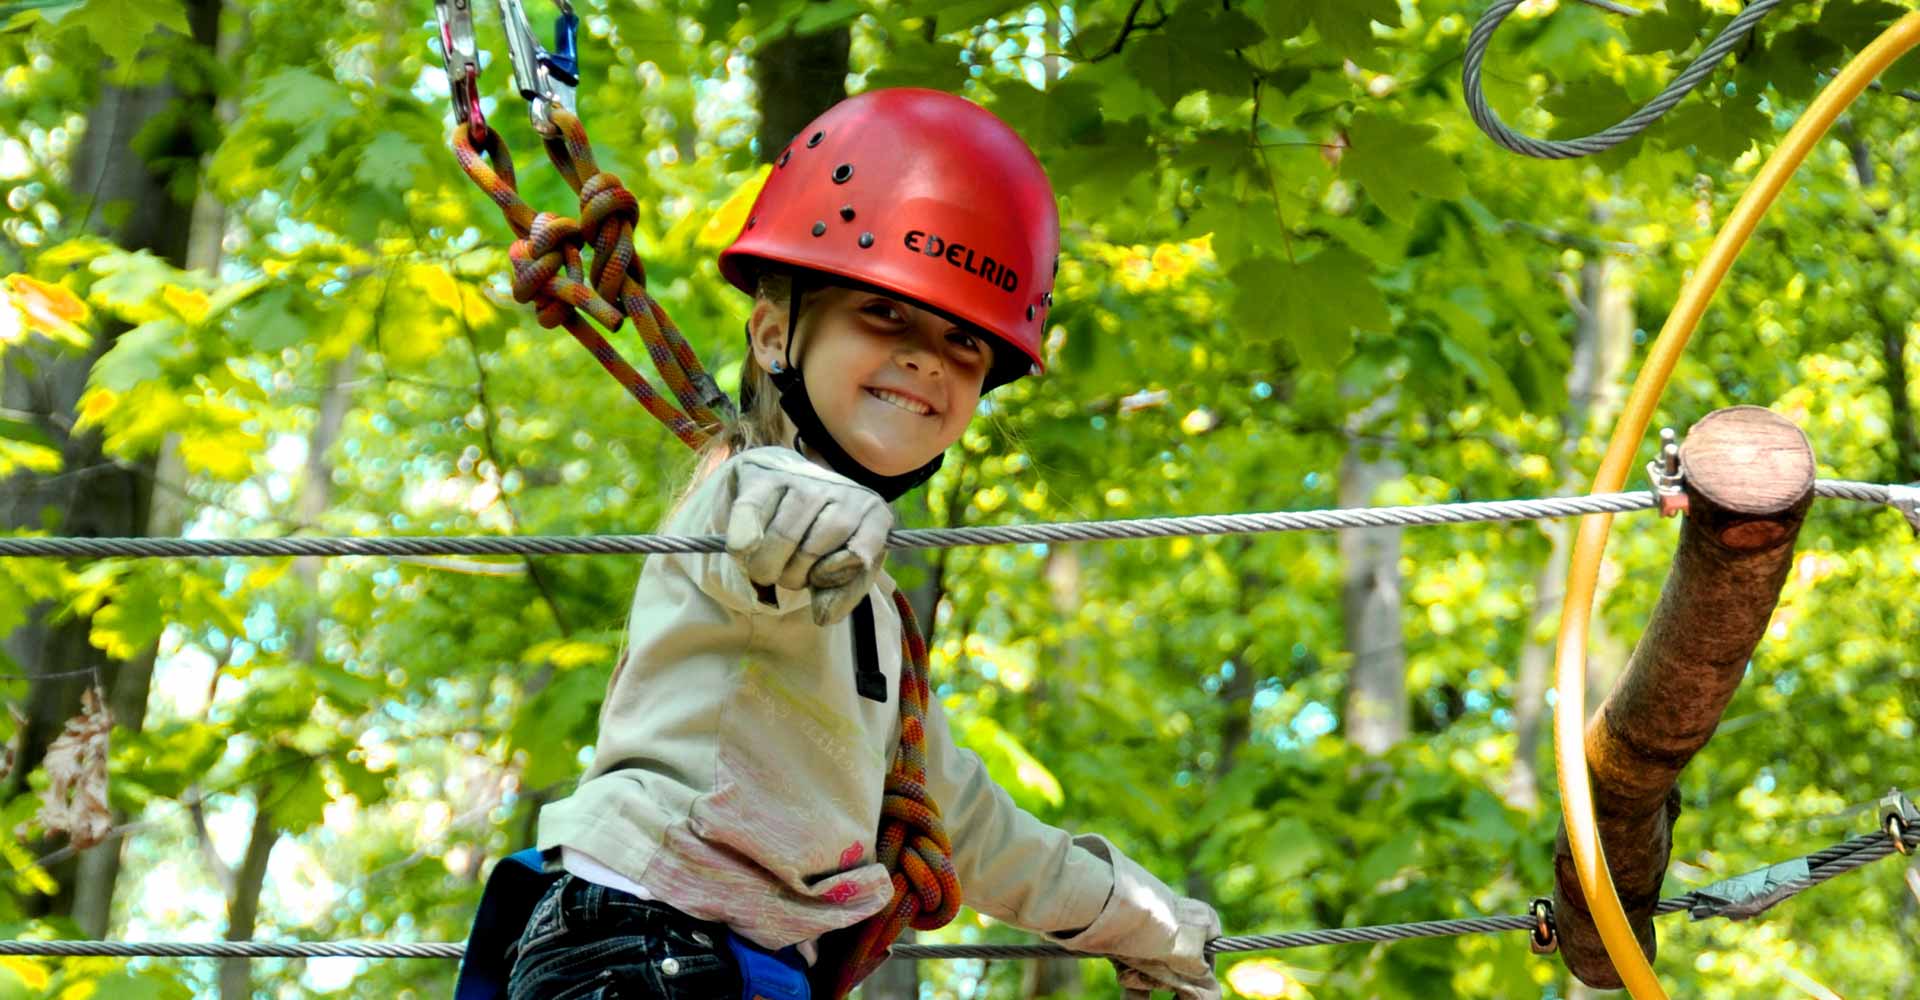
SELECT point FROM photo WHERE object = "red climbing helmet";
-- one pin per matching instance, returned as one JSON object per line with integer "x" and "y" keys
{"x": 923, "y": 194}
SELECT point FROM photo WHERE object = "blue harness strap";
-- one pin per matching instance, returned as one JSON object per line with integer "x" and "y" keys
{"x": 507, "y": 903}
{"x": 513, "y": 890}
{"x": 769, "y": 975}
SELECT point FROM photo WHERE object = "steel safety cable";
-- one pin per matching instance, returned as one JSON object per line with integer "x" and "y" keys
{"x": 1823, "y": 865}
{"x": 1696, "y": 73}
{"x": 1333, "y": 519}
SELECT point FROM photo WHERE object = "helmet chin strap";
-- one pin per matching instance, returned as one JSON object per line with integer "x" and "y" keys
{"x": 798, "y": 407}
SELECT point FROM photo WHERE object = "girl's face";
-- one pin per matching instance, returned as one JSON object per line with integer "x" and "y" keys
{"x": 893, "y": 383}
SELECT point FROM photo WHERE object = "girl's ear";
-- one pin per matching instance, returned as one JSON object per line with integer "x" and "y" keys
{"x": 767, "y": 332}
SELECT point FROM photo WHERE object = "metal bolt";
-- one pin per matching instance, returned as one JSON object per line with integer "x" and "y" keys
{"x": 866, "y": 241}
{"x": 846, "y": 213}
{"x": 669, "y": 966}
{"x": 1029, "y": 312}
{"x": 819, "y": 229}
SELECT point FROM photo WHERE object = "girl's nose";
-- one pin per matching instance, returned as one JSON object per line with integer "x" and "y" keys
{"x": 916, "y": 355}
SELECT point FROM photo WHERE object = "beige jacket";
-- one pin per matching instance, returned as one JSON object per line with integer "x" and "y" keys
{"x": 738, "y": 774}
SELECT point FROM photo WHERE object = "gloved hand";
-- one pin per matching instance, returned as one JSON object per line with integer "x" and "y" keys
{"x": 795, "y": 524}
{"x": 1156, "y": 939}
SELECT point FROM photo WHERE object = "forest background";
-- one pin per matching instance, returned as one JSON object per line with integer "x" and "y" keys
{"x": 254, "y": 295}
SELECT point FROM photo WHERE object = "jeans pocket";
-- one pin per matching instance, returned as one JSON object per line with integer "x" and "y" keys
{"x": 549, "y": 919}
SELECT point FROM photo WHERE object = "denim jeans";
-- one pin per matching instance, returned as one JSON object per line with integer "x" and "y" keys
{"x": 589, "y": 942}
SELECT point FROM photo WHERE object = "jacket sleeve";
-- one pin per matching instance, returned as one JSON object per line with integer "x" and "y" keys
{"x": 1011, "y": 866}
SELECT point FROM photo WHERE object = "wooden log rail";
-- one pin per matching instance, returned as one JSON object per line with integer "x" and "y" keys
{"x": 1749, "y": 481}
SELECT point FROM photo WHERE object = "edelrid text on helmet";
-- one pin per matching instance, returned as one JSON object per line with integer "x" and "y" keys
{"x": 961, "y": 256}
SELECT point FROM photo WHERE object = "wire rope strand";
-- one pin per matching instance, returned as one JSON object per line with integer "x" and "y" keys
{"x": 1824, "y": 865}
{"x": 1565, "y": 149}
{"x": 1334, "y": 519}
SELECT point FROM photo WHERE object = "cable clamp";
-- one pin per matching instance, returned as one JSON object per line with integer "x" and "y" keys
{"x": 1899, "y": 818}
{"x": 1752, "y": 894}
{"x": 1906, "y": 500}
{"x": 1545, "y": 937}
{"x": 1668, "y": 476}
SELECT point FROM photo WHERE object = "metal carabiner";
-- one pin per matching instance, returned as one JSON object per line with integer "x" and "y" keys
{"x": 545, "y": 79}
{"x": 462, "y": 56}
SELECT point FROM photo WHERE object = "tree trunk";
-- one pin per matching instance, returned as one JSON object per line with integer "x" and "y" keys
{"x": 243, "y": 907}
{"x": 798, "y": 76}
{"x": 1749, "y": 485}
{"x": 94, "y": 497}
{"x": 1370, "y": 602}
{"x": 1602, "y": 344}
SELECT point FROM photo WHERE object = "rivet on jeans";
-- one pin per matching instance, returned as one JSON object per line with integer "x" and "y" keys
{"x": 669, "y": 966}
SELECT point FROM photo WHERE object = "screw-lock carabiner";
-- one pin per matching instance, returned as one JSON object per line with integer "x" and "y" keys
{"x": 462, "y": 56}
{"x": 547, "y": 80}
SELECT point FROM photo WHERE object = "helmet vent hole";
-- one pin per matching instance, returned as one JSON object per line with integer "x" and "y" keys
{"x": 819, "y": 229}
{"x": 752, "y": 220}
{"x": 846, "y": 213}
{"x": 814, "y": 139}
{"x": 866, "y": 241}
{"x": 843, "y": 173}
{"x": 784, "y": 155}
{"x": 1029, "y": 312}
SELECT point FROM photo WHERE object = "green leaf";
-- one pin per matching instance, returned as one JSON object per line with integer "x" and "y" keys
{"x": 295, "y": 96}
{"x": 121, "y": 27}
{"x": 138, "y": 355}
{"x": 1316, "y": 305}
{"x": 1345, "y": 25}
{"x": 1194, "y": 51}
{"x": 269, "y": 321}
{"x": 389, "y": 162}
{"x": 298, "y": 802}
{"x": 1674, "y": 27}
{"x": 1719, "y": 131}
{"x": 1396, "y": 162}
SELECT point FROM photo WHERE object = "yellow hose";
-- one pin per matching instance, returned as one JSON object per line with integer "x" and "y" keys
{"x": 1569, "y": 716}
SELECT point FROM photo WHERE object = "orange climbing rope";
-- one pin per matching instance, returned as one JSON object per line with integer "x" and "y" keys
{"x": 912, "y": 842}
{"x": 551, "y": 273}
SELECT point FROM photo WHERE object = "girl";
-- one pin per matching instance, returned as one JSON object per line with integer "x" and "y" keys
{"x": 768, "y": 715}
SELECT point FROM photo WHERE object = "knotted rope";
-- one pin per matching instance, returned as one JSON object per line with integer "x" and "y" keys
{"x": 551, "y": 273}
{"x": 912, "y": 842}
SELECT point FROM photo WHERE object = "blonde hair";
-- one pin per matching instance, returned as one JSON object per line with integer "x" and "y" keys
{"x": 760, "y": 422}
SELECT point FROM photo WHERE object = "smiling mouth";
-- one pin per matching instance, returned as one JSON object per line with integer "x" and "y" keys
{"x": 907, "y": 403}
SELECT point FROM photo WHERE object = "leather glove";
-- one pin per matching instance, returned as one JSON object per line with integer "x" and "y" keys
{"x": 1156, "y": 939}
{"x": 794, "y": 524}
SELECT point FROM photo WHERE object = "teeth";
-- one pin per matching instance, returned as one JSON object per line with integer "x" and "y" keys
{"x": 909, "y": 405}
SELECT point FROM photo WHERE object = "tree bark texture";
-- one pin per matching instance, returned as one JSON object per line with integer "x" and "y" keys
{"x": 1602, "y": 342}
{"x": 1749, "y": 481}
{"x": 1371, "y": 603}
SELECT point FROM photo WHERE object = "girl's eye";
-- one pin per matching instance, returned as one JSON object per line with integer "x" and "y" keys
{"x": 885, "y": 310}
